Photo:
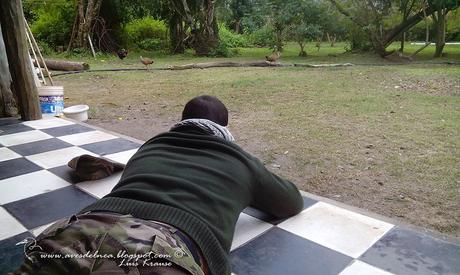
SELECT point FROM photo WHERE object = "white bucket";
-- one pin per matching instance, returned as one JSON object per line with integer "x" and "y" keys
{"x": 51, "y": 99}
{"x": 77, "y": 112}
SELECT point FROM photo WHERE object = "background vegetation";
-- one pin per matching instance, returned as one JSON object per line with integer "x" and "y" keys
{"x": 380, "y": 135}
{"x": 170, "y": 26}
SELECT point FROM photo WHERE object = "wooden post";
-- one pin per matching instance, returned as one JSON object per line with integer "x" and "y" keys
{"x": 7, "y": 103}
{"x": 14, "y": 35}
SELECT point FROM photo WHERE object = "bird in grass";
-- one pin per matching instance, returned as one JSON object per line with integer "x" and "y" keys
{"x": 122, "y": 53}
{"x": 274, "y": 56}
{"x": 146, "y": 61}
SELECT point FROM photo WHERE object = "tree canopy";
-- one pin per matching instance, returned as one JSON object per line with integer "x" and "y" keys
{"x": 366, "y": 25}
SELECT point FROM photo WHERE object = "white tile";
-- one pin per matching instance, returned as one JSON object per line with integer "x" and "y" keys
{"x": 24, "y": 186}
{"x": 9, "y": 225}
{"x": 23, "y": 137}
{"x": 345, "y": 231}
{"x": 47, "y": 122}
{"x": 37, "y": 231}
{"x": 87, "y": 137}
{"x": 361, "y": 268}
{"x": 7, "y": 154}
{"x": 122, "y": 157}
{"x": 247, "y": 228}
{"x": 100, "y": 188}
{"x": 59, "y": 157}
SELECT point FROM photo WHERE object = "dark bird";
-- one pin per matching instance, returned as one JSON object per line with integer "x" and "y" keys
{"x": 146, "y": 61}
{"x": 274, "y": 56}
{"x": 122, "y": 53}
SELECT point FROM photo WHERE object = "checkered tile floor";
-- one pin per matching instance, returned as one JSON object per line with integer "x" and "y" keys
{"x": 37, "y": 188}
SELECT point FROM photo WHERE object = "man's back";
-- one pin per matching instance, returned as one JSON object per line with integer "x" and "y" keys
{"x": 200, "y": 184}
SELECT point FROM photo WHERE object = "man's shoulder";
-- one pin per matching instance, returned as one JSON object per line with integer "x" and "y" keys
{"x": 192, "y": 138}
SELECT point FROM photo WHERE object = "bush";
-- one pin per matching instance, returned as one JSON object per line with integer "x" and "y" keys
{"x": 231, "y": 39}
{"x": 54, "y": 21}
{"x": 263, "y": 37}
{"x": 146, "y": 33}
{"x": 151, "y": 44}
{"x": 357, "y": 39}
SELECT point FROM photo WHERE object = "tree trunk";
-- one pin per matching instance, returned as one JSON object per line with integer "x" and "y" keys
{"x": 7, "y": 103}
{"x": 14, "y": 35}
{"x": 440, "y": 31}
{"x": 207, "y": 38}
{"x": 403, "y": 40}
{"x": 204, "y": 32}
{"x": 302, "y": 52}
{"x": 238, "y": 26}
{"x": 177, "y": 33}
{"x": 85, "y": 21}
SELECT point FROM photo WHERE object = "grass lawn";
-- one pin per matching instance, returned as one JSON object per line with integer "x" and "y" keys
{"x": 383, "y": 138}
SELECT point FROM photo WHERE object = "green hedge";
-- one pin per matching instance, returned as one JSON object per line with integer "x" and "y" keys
{"x": 231, "y": 39}
{"x": 263, "y": 37}
{"x": 54, "y": 21}
{"x": 146, "y": 33}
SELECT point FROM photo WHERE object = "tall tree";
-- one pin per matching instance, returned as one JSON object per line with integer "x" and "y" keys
{"x": 406, "y": 7}
{"x": 307, "y": 23}
{"x": 200, "y": 18}
{"x": 87, "y": 11}
{"x": 369, "y": 16}
{"x": 442, "y": 8}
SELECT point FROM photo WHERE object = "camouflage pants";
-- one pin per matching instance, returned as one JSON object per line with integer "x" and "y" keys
{"x": 110, "y": 243}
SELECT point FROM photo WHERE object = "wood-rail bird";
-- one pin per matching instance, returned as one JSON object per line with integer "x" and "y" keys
{"x": 146, "y": 61}
{"x": 274, "y": 56}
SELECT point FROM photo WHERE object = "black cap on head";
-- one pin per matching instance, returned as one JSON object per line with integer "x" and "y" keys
{"x": 206, "y": 107}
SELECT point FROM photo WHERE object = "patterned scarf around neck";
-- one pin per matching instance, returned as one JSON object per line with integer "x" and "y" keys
{"x": 208, "y": 126}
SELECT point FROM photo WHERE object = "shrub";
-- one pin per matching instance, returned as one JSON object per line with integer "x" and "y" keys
{"x": 263, "y": 37}
{"x": 54, "y": 20}
{"x": 357, "y": 39}
{"x": 146, "y": 33}
{"x": 151, "y": 44}
{"x": 231, "y": 39}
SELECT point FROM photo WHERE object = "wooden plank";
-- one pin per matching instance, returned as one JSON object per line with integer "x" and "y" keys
{"x": 14, "y": 36}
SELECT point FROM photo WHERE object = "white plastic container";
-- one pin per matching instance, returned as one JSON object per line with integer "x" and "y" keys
{"x": 51, "y": 100}
{"x": 77, "y": 112}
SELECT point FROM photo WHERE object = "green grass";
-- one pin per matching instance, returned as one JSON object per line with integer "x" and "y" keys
{"x": 326, "y": 54}
{"x": 364, "y": 135}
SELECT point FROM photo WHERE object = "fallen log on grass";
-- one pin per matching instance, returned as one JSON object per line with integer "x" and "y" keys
{"x": 249, "y": 64}
{"x": 61, "y": 65}
{"x": 323, "y": 65}
{"x": 224, "y": 64}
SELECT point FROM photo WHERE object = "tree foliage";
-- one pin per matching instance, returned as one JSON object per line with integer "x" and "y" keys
{"x": 370, "y": 24}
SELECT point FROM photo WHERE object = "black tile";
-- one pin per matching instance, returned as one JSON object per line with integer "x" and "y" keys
{"x": 66, "y": 173}
{"x": 48, "y": 207}
{"x": 12, "y": 255}
{"x": 17, "y": 167}
{"x": 403, "y": 251}
{"x": 67, "y": 130}
{"x": 14, "y": 128}
{"x": 256, "y": 213}
{"x": 110, "y": 146}
{"x": 280, "y": 252}
{"x": 9, "y": 121}
{"x": 41, "y": 146}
